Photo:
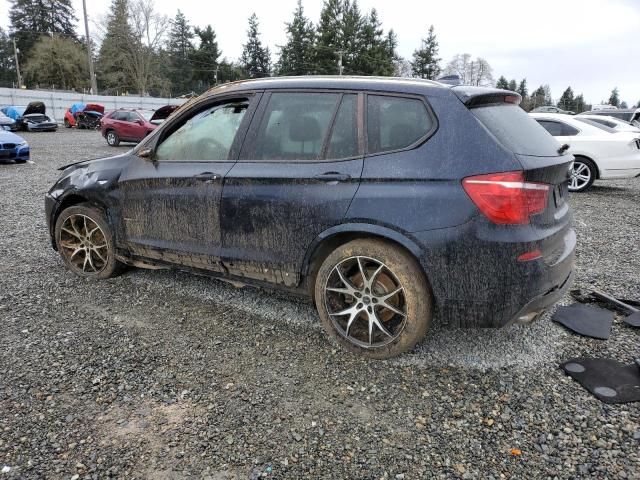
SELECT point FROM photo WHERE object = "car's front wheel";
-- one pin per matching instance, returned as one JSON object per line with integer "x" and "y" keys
{"x": 373, "y": 298}
{"x": 583, "y": 174}
{"x": 67, "y": 124}
{"x": 112, "y": 138}
{"x": 85, "y": 242}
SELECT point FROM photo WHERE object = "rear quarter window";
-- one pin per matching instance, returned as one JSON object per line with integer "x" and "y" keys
{"x": 516, "y": 130}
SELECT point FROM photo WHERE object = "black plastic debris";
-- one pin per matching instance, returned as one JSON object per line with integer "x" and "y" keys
{"x": 608, "y": 380}
{"x": 604, "y": 299}
{"x": 585, "y": 320}
{"x": 632, "y": 320}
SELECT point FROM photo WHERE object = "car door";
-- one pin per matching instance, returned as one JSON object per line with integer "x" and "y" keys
{"x": 298, "y": 172}
{"x": 170, "y": 202}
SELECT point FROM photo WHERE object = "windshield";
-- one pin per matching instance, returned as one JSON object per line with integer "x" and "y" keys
{"x": 517, "y": 131}
{"x": 596, "y": 124}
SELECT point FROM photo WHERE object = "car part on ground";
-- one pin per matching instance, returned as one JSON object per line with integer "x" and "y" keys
{"x": 289, "y": 180}
{"x": 585, "y": 320}
{"x": 608, "y": 380}
{"x": 601, "y": 152}
{"x": 13, "y": 147}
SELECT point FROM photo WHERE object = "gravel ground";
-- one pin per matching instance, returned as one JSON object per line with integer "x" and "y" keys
{"x": 167, "y": 375}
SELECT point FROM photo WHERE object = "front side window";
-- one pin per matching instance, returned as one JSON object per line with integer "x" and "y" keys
{"x": 207, "y": 135}
{"x": 394, "y": 123}
{"x": 294, "y": 126}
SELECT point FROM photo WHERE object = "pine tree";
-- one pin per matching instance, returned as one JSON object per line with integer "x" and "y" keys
{"x": 513, "y": 85}
{"x": 426, "y": 63}
{"x": 30, "y": 19}
{"x": 502, "y": 83}
{"x": 329, "y": 37}
{"x": 614, "y": 99}
{"x": 538, "y": 97}
{"x": 579, "y": 104}
{"x": 114, "y": 61}
{"x": 567, "y": 100}
{"x": 7, "y": 64}
{"x": 353, "y": 28}
{"x": 255, "y": 59}
{"x": 624, "y": 105}
{"x": 296, "y": 56}
{"x": 205, "y": 58}
{"x": 180, "y": 50}
{"x": 522, "y": 88}
{"x": 376, "y": 53}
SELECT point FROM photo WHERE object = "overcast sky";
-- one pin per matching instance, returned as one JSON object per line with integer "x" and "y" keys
{"x": 592, "y": 45}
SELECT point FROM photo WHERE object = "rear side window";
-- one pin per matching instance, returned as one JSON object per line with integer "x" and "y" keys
{"x": 394, "y": 123}
{"x": 295, "y": 126}
{"x": 558, "y": 129}
{"x": 516, "y": 130}
{"x": 344, "y": 133}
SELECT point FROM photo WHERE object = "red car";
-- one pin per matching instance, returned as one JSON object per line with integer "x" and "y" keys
{"x": 83, "y": 116}
{"x": 132, "y": 125}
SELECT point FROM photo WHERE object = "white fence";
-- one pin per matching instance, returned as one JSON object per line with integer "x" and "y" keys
{"x": 58, "y": 102}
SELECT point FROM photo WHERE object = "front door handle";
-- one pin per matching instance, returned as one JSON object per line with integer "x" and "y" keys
{"x": 207, "y": 177}
{"x": 333, "y": 177}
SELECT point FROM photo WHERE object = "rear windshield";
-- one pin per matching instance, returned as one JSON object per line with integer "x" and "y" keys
{"x": 516, "y": 130}
{"x": 595, "y": 123}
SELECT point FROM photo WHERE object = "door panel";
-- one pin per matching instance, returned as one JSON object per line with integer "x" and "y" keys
{"x": 272, "y": 210}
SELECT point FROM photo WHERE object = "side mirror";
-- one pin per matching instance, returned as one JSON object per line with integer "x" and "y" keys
{"x": 145, "y": 153}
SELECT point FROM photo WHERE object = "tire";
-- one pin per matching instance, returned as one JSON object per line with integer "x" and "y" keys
{"x": 583, "y": 174}
{"x": 88, "y": 256}
{"x": 66, "y": 123}
{"x": 20, "y": 160}
{"x": 406, "y": 322}
{"x": 112, "y": 138}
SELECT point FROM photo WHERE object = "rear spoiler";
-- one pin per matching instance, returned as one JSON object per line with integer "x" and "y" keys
{"x": 474, "y": 97}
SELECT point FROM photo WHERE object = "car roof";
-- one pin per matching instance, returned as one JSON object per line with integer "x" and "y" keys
{"x": 329, "y": 82}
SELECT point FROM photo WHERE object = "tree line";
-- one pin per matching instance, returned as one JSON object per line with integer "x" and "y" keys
{"x": 137, "y": 50}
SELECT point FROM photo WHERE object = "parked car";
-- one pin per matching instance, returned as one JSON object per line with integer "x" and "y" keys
{"x": 7, "y": 123}
{"x": 13, "y": 147}
{"x": 611, "y": 122}
{"x": 552, "y": 109}
{"x": 628, "y": 114}
{"x": 132, "y": 125}
{"x": 84, "y": 116}
{"x": 31, "y": 118}
{"x": 601, "y": 153}
{"x": 355, "y": 191}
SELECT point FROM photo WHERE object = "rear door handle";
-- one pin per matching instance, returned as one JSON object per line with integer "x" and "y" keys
{"x": 333, "y": 177}
{"x": 207, "y": 177}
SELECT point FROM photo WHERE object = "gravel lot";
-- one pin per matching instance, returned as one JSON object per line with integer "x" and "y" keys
{"x": 167, "y": 375}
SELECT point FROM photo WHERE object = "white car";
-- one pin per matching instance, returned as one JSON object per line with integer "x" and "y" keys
{"x": 612, "y": 122}
{"x": 600, "y": 152}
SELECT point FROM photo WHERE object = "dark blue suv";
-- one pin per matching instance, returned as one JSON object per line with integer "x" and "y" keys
{"x": 392, "y": 203}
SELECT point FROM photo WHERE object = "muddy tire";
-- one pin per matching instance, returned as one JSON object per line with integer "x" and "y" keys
{"x": 85, "y": 242}
{"x": 112, "y": 138}
{"x": 373, "y": 298}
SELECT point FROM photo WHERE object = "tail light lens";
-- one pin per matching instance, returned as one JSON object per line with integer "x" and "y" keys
{"x": 505, "y": 198}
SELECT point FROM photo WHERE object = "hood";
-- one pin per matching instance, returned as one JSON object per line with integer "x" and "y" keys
{"x": 35, "y": 107}
{"x": 163, "y": 112}
{"x": 8, "y": 137}
{"x": 93, "y": 107}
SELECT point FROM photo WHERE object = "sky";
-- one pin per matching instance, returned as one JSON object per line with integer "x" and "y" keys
{"x": 590, "y": 45}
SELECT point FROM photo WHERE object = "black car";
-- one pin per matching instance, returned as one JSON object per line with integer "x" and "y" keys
{"x": 391, "y": 203}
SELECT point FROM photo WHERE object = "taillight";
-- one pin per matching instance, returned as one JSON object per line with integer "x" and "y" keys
{"x": 505, "y": 198}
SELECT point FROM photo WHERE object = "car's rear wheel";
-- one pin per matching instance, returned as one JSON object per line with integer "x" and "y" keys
{"x": 20, "y": 160}
{"x": 373, "y": 298}
{"x": 66, "y": 123}
{"x": 112, "y": 138}
{"x": 583, "y": 174}
{"x": 85, "y": 242}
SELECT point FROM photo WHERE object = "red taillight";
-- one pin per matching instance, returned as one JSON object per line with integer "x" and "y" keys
{"x": 505, "y": 198}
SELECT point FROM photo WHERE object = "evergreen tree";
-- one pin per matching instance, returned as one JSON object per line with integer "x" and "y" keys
{"x": 296, "y": 56}
{"x": 205, "y": 58}
{"x": 522, "y": 88}
{"x": 30, "y": 19}
{"x": 614, "y": 99}
{"x": 329, "y": 37}
{"x": 538, "y": 97}
{"x": 7, "y": 64}
{"x": 376, "y": 52}
{"x": 113, "y": 69}
{"x": 58, "y": 61}
{"x": 180, "y": 50}
{"x": 579, "y": 105}
{"x": 567, "y": 100}
{"x": 426, "y": 63}
{"x": 255, "y": 59}
{"x": 502, "y": 83}
{"x": 352, "y": 31}
{"x": 513, "y": 85}
{"x": 623, "y": 105}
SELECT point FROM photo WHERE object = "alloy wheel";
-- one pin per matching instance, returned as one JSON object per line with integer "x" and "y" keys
{"x": 366, "y": 302}
{"x": 111, "y": 138}
{"x": 83, "y": 244}
{"x": 580, "y": 176}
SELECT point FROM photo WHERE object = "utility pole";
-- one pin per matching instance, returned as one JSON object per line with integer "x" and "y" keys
{"x": 94, "y": 84}
{"x": 15, "y": 52}
{"x": 340, "y": 67}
